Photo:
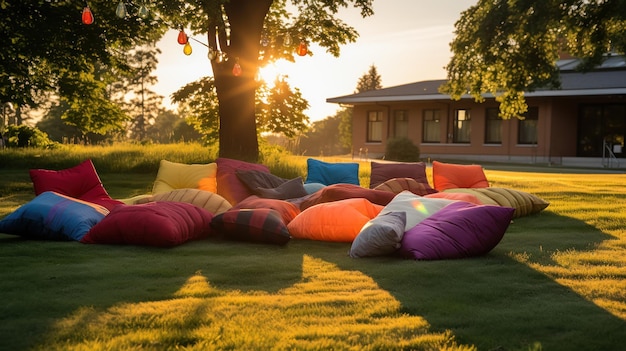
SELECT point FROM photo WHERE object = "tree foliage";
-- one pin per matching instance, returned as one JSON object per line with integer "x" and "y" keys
{"x": 46, "y": 48}
{"x": 507, "y": 47}
{"x": 369, "y": 81}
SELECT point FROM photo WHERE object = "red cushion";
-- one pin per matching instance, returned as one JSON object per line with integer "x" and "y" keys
{"x": 80, "y": 182}
{"x": 229, "y": 186}
{"x": 451, "y": 176}
{"x": 162, "y": 224}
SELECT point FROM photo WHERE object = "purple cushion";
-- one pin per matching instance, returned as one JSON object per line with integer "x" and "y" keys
{"x": 461, "y": 229}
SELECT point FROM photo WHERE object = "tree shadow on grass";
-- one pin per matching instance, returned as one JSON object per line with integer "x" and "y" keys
{"x": 491, "y": 302}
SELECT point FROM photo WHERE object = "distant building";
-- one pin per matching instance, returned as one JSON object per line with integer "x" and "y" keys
{"x": 581, "y": 124}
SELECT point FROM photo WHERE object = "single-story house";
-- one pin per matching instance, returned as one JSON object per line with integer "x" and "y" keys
{"x": 581, "y": 124}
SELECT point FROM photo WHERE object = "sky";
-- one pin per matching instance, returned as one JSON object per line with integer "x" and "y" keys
{"x": 407, "y": 40}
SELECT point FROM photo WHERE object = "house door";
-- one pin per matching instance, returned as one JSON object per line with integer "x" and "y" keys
{"x": 600, "y": 123}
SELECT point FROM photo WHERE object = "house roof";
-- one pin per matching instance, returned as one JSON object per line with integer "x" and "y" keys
{"x": 607, "y": 79}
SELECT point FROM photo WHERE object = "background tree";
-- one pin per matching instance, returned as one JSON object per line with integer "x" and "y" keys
{"x": 46, "y": 48}
{"x": 369, "y": 81}
{"x": 507, "y": 47}
{"x": 249, "y": 34}
{"x": 279, "y": 109}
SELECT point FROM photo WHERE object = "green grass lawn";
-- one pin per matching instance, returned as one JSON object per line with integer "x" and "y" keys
{"x": 557, "y": 281}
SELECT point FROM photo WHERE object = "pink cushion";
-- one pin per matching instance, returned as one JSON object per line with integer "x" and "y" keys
{"x": 80, "y": 182}
{"x": 229, "y": 186}
{"x": 461, "y": 229}
{"x": 162, "y": 224}
{"x": 450, "y": 176}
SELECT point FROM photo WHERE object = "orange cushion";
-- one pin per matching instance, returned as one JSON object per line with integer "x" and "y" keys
{"x": 451, "y": 176}
{"x": 338, "y": 221}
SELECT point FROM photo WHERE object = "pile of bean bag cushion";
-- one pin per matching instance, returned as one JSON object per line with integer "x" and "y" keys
{"x": 400, "y": 213}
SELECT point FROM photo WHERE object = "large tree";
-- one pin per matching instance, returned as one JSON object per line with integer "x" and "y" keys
{"x": 249, "y": 34}
{"x": 506, "y": 47}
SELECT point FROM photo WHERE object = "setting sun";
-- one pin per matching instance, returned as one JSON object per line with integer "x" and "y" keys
{"x": 273, "y": 71}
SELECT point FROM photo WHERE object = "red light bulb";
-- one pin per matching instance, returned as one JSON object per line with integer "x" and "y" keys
{"x": 87, "y": 16}
{"x": 182, "y": 37}
{"x": 237, "y": 69}
{"x": 302, "y": 48}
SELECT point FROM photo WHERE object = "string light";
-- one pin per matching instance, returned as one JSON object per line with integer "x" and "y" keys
{"x": 87, "y": 16}
{"x": 237, "y": 68}
{"x": 302, "y": 48}
{"x": 120, "y": 10}
{"x": 187, "y": 49}
{"x": 214, "y": 55}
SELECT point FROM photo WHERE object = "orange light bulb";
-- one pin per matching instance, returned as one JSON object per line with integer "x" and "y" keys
{"x": 302, "y": 48}
{"x": 182, "y": 38}
{"x": 87, "y": 16}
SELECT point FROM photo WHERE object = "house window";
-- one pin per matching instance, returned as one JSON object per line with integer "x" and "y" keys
{"x": 527, "y": 132}
{"x": 493, "y": 126}
{"x": 400, "y": 124}
{"x": 461, "y": 129}
{"x": 431, "y": 130}
{"x": 374, "y": 126}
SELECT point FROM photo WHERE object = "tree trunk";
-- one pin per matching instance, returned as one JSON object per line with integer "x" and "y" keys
{"x": 236, "y": 94}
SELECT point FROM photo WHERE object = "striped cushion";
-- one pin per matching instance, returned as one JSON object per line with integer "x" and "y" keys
{"x": 261, "y": 225}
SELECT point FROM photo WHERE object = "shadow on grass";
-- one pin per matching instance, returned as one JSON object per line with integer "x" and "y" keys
{"x": 490, "y": 302}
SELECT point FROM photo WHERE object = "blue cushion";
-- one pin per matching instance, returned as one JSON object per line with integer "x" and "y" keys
{"x": 332, "y": 173}
{"x": 53, "y": 216}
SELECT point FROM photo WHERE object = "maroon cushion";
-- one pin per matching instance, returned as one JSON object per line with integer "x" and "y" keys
{"x": 229, "y": 186}
{"x": 382, "y": 172}
{"x": 80, "y": 182}
{"x": 398, "y": 185}
{"x": 163, "y": 224}
{"x": 344, "y": 191}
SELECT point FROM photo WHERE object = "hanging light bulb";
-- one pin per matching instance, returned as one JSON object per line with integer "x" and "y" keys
{"x": 143, "y": 10}
{"x": 187, "y": 49}
{"x": 219, "y": 57}
{"x": 302, "y": 48}
{"x": 120, "y": 10}
{"x": 265, "y": 41}
{"x": 211, "y": 54}
{"x": 287, "y": 40}
{"x": 87, "y": 15}
{"x": 182, "y": 38}
{"x": 237, "y": 68}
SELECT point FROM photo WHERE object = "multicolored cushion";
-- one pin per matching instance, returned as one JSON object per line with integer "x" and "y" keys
{"x": 379, "y": 236}
{"x": 398, "y": 185}
{"x": 338, "y": 221}
{"x": 417, "y": 208}
{"x": 161, "y": 224}
{"x": 287, "y": 210}
{"x": 80, "y": 182}
{"x": 173, "y": 175}
{"x": 261, "y": 225}
{"x": 524, "y": 203}
{"x": 459, "y": 230}
{"x": 384, "y": 171}
{"x": 53, "y": 216}
{"x": 332, "y": 173}
{"x": 228, "y": 184}
{"x": 449, "y": 176}
{"x": 336, "y": 192}
{"x": 210, "y": 201}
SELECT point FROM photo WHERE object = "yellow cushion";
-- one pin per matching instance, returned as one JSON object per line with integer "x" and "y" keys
{"x": 172, "y": 176}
